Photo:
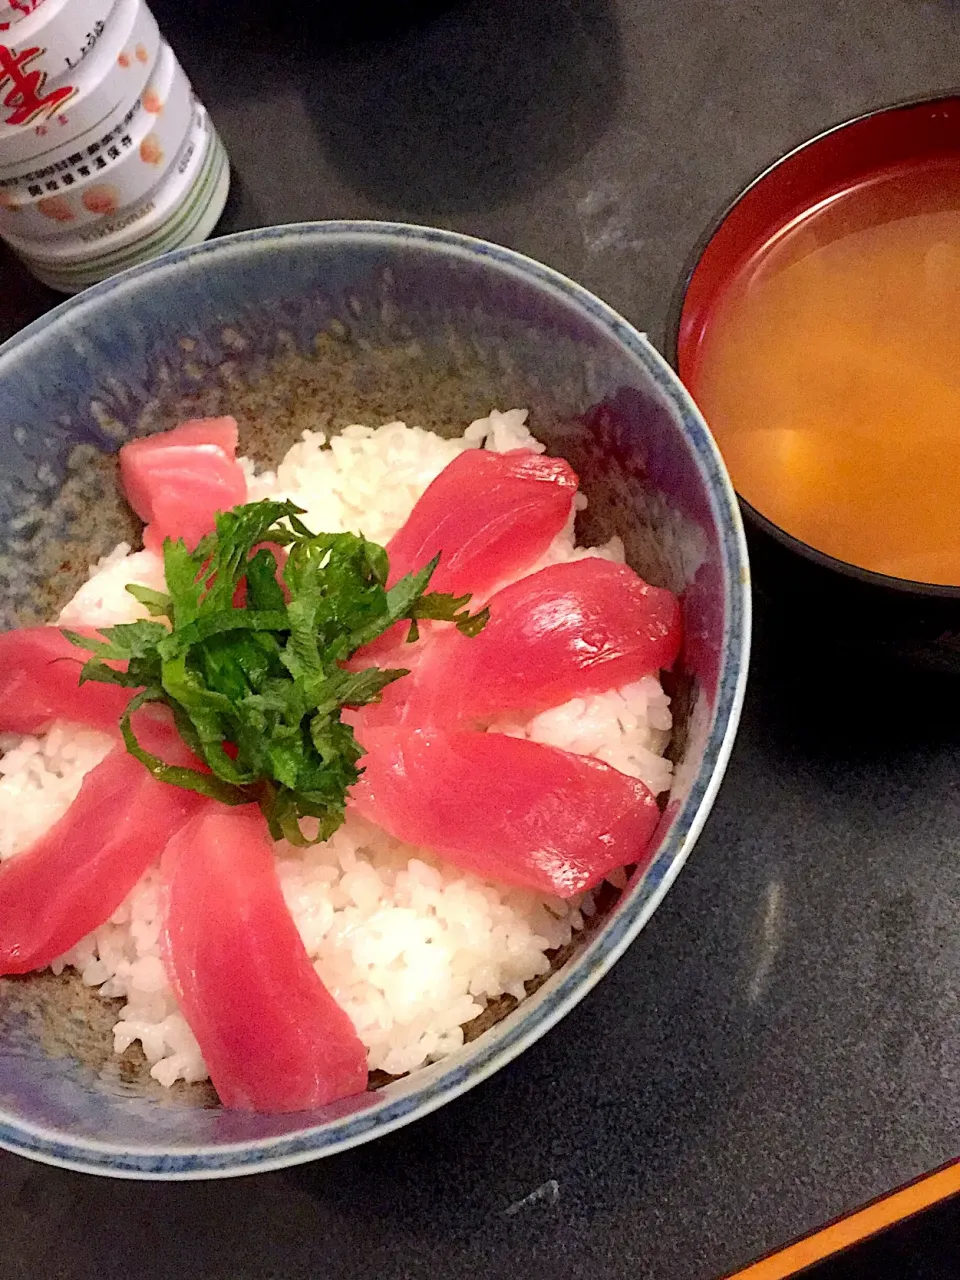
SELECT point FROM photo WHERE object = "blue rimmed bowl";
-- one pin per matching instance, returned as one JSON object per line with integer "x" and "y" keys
{"x": 324, "y": 324}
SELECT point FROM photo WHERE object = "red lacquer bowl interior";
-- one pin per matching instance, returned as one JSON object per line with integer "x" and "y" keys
{"x": 839, "y": 160}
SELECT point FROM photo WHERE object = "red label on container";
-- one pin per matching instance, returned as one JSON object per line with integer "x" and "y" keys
{"x": 24, "y": 8}
{"x": 24, "y": 97}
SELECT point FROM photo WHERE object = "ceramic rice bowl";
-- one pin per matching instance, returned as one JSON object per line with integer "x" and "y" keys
{"x": 322, "y": 325}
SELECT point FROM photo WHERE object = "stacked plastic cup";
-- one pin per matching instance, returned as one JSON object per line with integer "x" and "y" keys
{"x": 106, "y": 156}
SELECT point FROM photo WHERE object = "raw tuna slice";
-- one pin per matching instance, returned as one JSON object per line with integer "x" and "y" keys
{"x": 567, "y": 631}
{"x": 73, "y": 878}
{"x": 272, "y": 1036}
{"x": 505, "y": 808}
{"x": 391, "y": 652}
{"x": 39, "y": 674}
{"x": 490, "y": 515}
{"x": 219, "y": 431}
{"x": 178, "y": 480}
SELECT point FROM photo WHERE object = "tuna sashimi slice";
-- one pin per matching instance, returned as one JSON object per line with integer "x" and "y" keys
{"x": 489, "y": 515}
{"x": 76, "y": 875}
{"x": 176, "y": 481}
{"x": 206, "y": 435}
{"x": 222, "y": 432}
{"x": 567, "y": 631}
{"x": 39, "y": 675}
{"x": 505, "y": 808}
{"x": 392, "y": 652}
{"x": 272, "y": 1036}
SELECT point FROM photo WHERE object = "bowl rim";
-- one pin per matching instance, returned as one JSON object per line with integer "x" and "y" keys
{"x": 868, "y": 577}
{"x": 535, "y": 1016}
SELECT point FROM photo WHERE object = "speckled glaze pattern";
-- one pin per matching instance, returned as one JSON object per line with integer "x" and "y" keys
{"x": 401, "y": 307}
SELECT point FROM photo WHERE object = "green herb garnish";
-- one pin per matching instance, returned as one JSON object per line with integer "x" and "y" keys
{"x": 256, "y": 690}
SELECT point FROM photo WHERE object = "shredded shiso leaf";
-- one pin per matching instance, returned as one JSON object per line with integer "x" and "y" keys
{"x": 250, "y": 660}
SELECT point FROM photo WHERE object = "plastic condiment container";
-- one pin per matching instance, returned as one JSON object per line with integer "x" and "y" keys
{"x": 111, "y": 75}
{"x": 127, "y": 167}
{"x": 183, "y": 209}
{"x": 144, "y": 143}
{"x": 47, "y": 46}
{"x": 13, "y": 11}
{"x": 43, "y": 156}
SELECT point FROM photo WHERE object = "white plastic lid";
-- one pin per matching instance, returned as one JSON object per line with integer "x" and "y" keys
{"x": 14, "y": 11}
{"x": 38, "y": 55}
{"x": 113, "y": 73}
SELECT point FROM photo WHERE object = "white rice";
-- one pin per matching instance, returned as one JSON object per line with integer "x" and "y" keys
{"x": 40, "y": 778}
{"x": 103, "y": 600}
{"x": 628, "y": 728}
{"x": 410, "y": 946}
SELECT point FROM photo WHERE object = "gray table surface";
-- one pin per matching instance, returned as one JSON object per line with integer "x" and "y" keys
{"x": 782, "y": 1042}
